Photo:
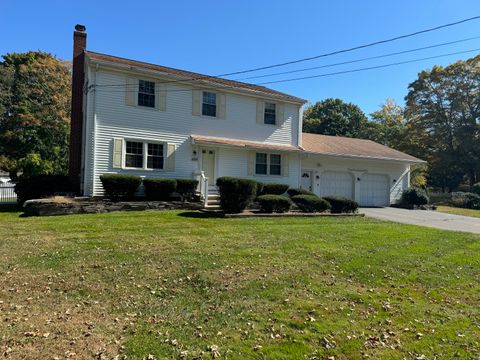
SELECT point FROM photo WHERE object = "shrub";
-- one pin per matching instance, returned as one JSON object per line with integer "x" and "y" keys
{"x": 476, "y": 188}
{"x": 414, "y": 196}
{"x": 273, "y": 189}
{"x": 340, "y": 204}
{"x": 293, "y": 192}
{"x": 120, "y": 186}
{"x": 467, "y": 200}
{"x": 186, "y": 187}
{"x": 235, "y": 193}
{"x": 41, "y": 186}
{"x": 274, "y": 203}
{"x": 159, "y": 189}
{"x": 311, "y": 203}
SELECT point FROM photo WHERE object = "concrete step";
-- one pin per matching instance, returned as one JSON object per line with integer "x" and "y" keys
{"x": 212, "y": 207}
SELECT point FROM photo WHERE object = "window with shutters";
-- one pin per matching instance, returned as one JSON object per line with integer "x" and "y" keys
{"x": 209, "y": 104}
{"x": 134, "y": 154}
{"x": 146, "y": 93}
{"x": 268, "y": 164}
{"x": 270, "y": 114}
{"x": 155, "y": 156}
{"x": 145, "y": 155}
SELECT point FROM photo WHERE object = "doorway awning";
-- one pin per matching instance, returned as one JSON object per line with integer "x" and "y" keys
{"x": 216, "y": 141}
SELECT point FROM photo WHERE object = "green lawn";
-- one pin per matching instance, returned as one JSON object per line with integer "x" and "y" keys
{"x": 458, "y": 211}
{"x": 178, "y": 285}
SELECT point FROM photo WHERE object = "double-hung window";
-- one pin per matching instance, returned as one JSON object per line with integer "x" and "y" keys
{"x": 146, "y": 93}
{"x": 144, "y": 155}
{"x": 209, "y": 104}
{"x": 270, "y": 114}
{"x": 268, "y": 164}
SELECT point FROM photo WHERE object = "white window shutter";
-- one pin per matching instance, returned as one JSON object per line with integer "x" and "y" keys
{"x": 260, "y": 111}
{"x": 196, "y": 102}
{"x": 251, "y": 163}
{"x": 170, "y": 163}
{"x": 280, "y": 115}
{"x": 160, "y": 97}
{"x": 131, "y": 91}
{"x": 285, "y": 165}
{"x": 221, "y": 106}
{"x": 117, "y": 153}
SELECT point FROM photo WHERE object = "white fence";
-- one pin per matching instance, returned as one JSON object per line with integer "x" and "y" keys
{"x": 7, "y": 193}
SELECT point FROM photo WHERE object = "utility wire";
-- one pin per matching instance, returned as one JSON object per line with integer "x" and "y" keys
{"x": 367, "y": 68}
{"x": 202, "y": 77}
{"x": 313, "y": 76}
{"x": 360, "y": 60}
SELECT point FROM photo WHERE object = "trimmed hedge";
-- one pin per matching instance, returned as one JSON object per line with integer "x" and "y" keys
{"x": 236, "y": 193}
{"x": 340, "y": 204}
{"x": 476, "y": 188}
{"x": 40, "y": 186}
{"x": 311, "y": 203}
{"x": 274, "y": 203}
{"x": 186, "y": 187}
{"x": 294, "y": 191}
{"x": 120, "y": 186}
{"x": 159, "y": 189}
{"x": 414, "y": 196}
{"x": 273, "y": 189}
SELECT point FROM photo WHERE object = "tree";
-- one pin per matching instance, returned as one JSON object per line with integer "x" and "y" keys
{"x": 335, "y": 117}
{"x": 34, "y": 114}
{"x": 388, "y": 125}
{"x": 443, "y": 110}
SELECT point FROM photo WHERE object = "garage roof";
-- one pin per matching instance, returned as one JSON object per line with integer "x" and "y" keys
{"x": 350, "y": 147}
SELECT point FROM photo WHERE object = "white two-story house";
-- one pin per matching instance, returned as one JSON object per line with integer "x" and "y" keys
{"x": 153, "y": 121}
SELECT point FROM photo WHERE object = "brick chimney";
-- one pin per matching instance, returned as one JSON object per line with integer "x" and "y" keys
{"x": 76, "y": 122}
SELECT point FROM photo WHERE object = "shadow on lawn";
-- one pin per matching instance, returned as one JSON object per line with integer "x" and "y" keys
{"x": 10, "y": 208}
{"x": 199, "y": 215}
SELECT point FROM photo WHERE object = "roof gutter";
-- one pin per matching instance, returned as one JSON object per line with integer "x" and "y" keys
{"x": 347, "y": 156}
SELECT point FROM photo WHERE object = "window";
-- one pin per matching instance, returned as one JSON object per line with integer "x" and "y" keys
{"x": 261, "y": 164}
{"x": 209, "y": 104}
{"x": 134, "y": 154}
{"x": 155, "y": 156}
{"x": 275, "y": 164}
{"x": 146, "y": 93}
{"x": 270, "y": 114}
{"x": 268, "y": 164}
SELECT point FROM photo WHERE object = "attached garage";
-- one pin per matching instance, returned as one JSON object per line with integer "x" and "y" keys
{"x": 337, "y": 183}
{"x": 374, "y": 190}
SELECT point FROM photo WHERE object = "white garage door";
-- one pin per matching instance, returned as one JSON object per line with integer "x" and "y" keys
{"x": 374, "y": 190}
{"x": 336, "y": 183}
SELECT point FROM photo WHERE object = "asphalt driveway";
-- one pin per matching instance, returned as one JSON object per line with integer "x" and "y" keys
{"x": 425, "y": 218}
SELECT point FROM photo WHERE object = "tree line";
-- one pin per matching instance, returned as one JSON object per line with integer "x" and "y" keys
{"x": 439, "y": 123}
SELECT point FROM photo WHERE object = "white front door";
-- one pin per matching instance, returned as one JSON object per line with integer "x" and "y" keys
{"x": 306, "y": 181}
{"x": 208, "y": 165}
{"x": 374, "y": 190}
{"x": 336, "y": 183}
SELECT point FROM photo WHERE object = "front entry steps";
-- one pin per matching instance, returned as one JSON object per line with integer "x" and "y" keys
{"x": 213, "y": 202}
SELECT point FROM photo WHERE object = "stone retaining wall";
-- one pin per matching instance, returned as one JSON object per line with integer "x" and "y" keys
{"x": 49, "y": 207}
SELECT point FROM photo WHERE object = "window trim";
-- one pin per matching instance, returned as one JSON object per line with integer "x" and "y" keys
{"x": 154, "y": 93}
{"x": 145, "y": 154}
{"x": 216, "y": 104}
{"x": 269, "y": 154}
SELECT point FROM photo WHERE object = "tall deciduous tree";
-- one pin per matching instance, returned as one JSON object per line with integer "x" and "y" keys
{"x": 34, "y": 114}
{"x": 443, "y": 110}
{"x": 335, "y": 117}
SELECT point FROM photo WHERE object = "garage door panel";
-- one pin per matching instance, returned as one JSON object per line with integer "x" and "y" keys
{"x": 336, "y": 183}
{"x": 374, "y": 190}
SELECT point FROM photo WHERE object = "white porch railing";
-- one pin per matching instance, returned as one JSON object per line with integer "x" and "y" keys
{"x": 202, "y": 187}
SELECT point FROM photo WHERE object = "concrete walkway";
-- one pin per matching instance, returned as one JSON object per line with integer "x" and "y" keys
{"x": 426, "y": 218}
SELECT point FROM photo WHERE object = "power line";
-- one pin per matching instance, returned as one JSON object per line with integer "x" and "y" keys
{"x": 368, "y": 68}
{"x": 360, "y": 60}
{"x": 313, "y": 76}
{"x": 203, "y": 77}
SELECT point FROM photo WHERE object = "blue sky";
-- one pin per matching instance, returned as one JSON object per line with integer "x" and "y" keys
{"x": 215, "y": 37}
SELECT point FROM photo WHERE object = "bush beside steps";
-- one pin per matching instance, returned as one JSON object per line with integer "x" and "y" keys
{"x": 311, "y": 203}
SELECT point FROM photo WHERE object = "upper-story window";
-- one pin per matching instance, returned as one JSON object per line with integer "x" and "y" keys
{"x": 268, "y": 164}
{"x": 270, "y": 114}
{"x": 209, "y": 104}
{"x": 146, "y": 93}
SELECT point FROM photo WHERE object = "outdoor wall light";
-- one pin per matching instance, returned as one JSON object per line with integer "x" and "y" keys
{"x": 394, "y": 180}
{"x": 358, "y": 179}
